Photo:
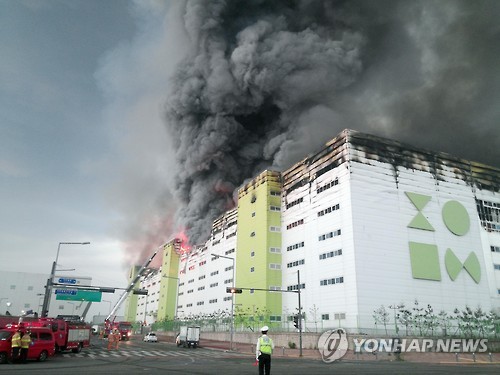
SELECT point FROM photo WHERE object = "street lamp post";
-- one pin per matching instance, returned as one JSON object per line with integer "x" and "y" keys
{"x": 232, "y": 299}
{"x": 50, "y": 280}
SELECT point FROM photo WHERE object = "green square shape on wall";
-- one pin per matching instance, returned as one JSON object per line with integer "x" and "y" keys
{"x": 424, "y": 261}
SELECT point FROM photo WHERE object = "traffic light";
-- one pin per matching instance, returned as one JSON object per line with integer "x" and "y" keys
{"x": 233, "y": 290}
{"x": 296, "y": 321}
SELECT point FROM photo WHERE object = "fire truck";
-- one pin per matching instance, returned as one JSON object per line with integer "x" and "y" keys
{"x": 125, "y": 328}
{"x": 70, "y": 333}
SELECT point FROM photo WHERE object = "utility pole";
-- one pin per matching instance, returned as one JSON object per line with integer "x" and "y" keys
{"x": 300, "y": 315}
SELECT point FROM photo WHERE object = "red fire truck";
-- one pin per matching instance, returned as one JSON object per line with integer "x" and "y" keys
{"x": 70, "y": 333}
{"x": 125, "y": 328}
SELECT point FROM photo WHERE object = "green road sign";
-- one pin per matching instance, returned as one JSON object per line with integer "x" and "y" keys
{"x": 78, "y": 295}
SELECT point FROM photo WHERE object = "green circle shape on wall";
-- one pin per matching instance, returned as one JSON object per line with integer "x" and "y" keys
{"x": 456, "y": 218}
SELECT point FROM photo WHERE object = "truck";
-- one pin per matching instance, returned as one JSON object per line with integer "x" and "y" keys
{"x": 69, "y": 333}
{"x": 188, "y": 336}
{"x": 125, "y": 329}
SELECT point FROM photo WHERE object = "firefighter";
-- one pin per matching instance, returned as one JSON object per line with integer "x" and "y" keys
{"x": 16, "y": 345}
{"x": 25, "y": 345}
{"x": 263, "y": 351}
{"x": 117, "y": 338}
{"x": 111, "y": 339}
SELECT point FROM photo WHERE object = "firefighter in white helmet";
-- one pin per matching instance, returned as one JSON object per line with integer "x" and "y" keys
{"x": 264, "y": 349}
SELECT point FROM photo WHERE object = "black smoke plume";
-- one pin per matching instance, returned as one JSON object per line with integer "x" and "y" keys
{"x": 266, "y": 82}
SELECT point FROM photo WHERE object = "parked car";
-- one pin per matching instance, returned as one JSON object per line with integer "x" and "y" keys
{"x": 41, "y": 348}
{"x": 151, "y": 337}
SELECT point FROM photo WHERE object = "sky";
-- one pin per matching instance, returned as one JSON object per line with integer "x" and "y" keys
{"x": 124, "y": 123}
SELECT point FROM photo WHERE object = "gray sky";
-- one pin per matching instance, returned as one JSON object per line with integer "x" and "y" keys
{"x": 64, "y": 147}
{"x": 125, "y": 122}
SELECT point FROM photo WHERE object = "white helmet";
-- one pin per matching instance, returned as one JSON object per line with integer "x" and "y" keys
{"x": 264, "y": 329}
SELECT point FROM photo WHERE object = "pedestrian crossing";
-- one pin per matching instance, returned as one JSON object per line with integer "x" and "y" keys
{"x": 100, "y": 353}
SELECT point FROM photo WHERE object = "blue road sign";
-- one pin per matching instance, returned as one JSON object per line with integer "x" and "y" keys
{"x": 64, "y": 280}
{"x": 67, "y": 292}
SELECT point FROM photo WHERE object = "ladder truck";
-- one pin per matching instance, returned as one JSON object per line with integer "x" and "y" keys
{"x": 125, "y": 328}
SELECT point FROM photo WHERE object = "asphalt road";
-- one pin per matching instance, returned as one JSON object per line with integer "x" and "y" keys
{"x": 137, "y": 357}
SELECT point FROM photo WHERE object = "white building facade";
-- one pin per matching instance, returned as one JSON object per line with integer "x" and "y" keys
{"x": 371, "y": 222}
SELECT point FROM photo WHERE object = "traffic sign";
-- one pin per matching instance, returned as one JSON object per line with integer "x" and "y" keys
{"x": 65, "y": 280}
{"x": 68, "y": 292}
{"x": 79, "y": 295}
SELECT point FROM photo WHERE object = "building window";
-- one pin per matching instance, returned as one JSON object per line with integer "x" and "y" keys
{"x": 275, "y": 250}
{"x": 252, "y": 234}
{"x": 275, "y": 318}
{"x": 334, "y": 280}
{"x": 201, "y": 288}
{"x": 489, "y": 214}
{"x": 213, "y": 301}
{"x": 330, "y": 254}
{"x": 30, "y": 288}
{"x": 328, "y": 210}
{"x": 214, "y": 273}
{"x": 274, "y": 208}
{"x": 295, "y": 224}
{"x": 229, "y": 252}
{"x": 295, "y": 246}
{"x": 296, "y": 286}
{"x": 327, "y": 186}
{"x": 202, "y": 263}
{"x": 191, "y": 281}
{"x": 496, "y": 266}
{"x": 253, "y": 214}
{"x": 274, "y": 229}
{"x": 339, "y": 316}
{"x": 201, "y": 277}
{"x": 213, "y": 285}
{"x": 275, "y": 193}
{"x": 12, "y": 287}
{"x": 495, "y": 249}
{"x": 294, "y": 203}
{"x": 329, "y": 235}
{"x": 252, "y": 269}
{"x": 252, "y": 254}
{"x": 274, "y": 266}
{"x": 325, "y": 316}
{"x": 296, "y": 263}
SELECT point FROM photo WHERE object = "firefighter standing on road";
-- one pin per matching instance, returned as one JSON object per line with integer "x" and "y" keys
{"x": 111, "y": 339}
{"x": 16, "y": 345}
{"x": 265, "y": 346}
{"x": 117, "y": 338}
{"x": 25, "y": 345}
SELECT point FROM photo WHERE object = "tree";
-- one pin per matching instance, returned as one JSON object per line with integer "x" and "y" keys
{"x": 418, "y": 317}
{"x": 314, "y": 313}
{"x": 381, "y": 316}
{"x": 404, "y": 316}
{"x": 430, "y": 319}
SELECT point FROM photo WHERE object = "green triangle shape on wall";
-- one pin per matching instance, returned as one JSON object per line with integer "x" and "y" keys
{"x": 453, "y": 264}
{"x": 421, "y": 222}
{"x": 473, "y": 267}
{"x": 419, "y": 200}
